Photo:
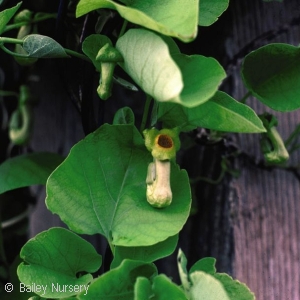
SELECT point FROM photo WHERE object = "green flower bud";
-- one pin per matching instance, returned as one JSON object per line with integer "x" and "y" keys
{"x": 109, "y": 57}
{"x": 271, "y": 143}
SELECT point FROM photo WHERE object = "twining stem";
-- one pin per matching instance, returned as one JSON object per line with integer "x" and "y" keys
{"x": 246, "y": 96}
{"x": 36, "y": 20}
{"x": 145, "y": 113}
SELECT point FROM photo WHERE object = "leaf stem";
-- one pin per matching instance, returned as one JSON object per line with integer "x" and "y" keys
{"x": 76, "y": 54}
{"x": 246, "y": 96}
{"x": 123, "y": 28}
{"x": 145, "y": 113}
{"x": 10, "y": 40}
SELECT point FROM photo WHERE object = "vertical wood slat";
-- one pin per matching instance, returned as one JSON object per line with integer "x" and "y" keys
{"x": 266, "y": 204}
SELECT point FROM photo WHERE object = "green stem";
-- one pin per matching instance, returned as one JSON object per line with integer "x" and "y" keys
{"x": 10, "y": 40}
{"x": 246, "y": 96}
{"x": 209, "y": 180}
{"x": 20, "y": 24}
{"x": 123, "y": 28}
{"x": 145, "y": 113}
{"x": 76, "y": 54}
{"x": 11, "y": 52}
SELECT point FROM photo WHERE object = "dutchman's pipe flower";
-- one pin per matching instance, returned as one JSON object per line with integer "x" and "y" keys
{"x": 163, "y": 145}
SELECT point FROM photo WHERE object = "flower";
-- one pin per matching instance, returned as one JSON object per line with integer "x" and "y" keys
{"x": 163, "y": 144}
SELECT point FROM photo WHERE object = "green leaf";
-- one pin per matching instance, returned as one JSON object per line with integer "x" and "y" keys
{"x": 234, "y": 288}
{"x": 147, "y": 60}
{"x": 272, "y": 75}
{"x": 41, "y": 46}
{"x": 119, "y": 283}
{"x": 165, "y": 289}
{"x": 221, "y": 113}
{"x": 124, "y": 116}
{"x": 142, "y": 289}
{"x": 146, "y": 253}
{"x": 101, "y": 188}
{"x": 188, "y": 80}
{"x": 27, "y": 169}
{"x": 209, "y": 11}
{"x": 162, "y": 289}
{"x": 206, "y": 265}
{"x": 173, "y": 18}
{"x": 91, "y": 46}
{"x": 202, "y": 77}
{"x": 205, "y": 286}
{"x": 55, "y": 258}
{"x": 6, "y": 15}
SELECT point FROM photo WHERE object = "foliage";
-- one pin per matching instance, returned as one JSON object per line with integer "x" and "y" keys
{"x": 102, "y": 185}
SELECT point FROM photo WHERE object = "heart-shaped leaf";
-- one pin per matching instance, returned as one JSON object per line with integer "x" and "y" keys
{"x": 221, "y": 113}
{"x": 101, "y": 188}
{"x": 54, "y": 260}
{"x": 146, "y": 253}
{"x": 27, "y": 169}
{"x": 209, "y": 11}
{"x": 41, "y": 46}
{"x": 173, "y": 18}
{"x": 156, "y": 65}
{"x": 202, "y": 77}
{"x": 148, "y": 61}
{"x": 119, "y": 283}
{"x": 272, "y": 75}
{"x": 6, "y": 15}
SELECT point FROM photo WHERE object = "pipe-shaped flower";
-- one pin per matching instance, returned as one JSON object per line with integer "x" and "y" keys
{"x": 163, "y": 145}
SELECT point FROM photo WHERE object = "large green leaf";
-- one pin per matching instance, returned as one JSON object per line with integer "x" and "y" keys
{"x": 146, "y": 253}
{"x": 41, "y": 46}
{"x": 173, "y": 18}
{"x": 119, "y": 283}
{"x": 55, "y": 258}
{"x": 209, "y": 11}
{"x": 221, "y": 113}
{"x": 27, "y": 169}
{"x": 272, "y": 75}
{"x": 148, "y": 61}
{"x": 6, "y": 15}
{"x": 101, "y": 188}
{"x": 156, "y": 65}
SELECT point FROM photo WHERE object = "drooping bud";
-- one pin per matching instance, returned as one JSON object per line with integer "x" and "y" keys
{"x": 272, "y": 144}
{"x": 109, "y": 57}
